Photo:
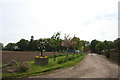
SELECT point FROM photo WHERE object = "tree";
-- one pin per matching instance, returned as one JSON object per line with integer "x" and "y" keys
{"x": 1, "y": 46}
{"x": 23, "y": 44}
{"x": 48, "y": 45}
{"x": 67, "y": 42}
{"x": 86, "y": 45}
{"x": 93, "y": 45}
{"x": 78, "y": 45}
{"x": 32, "y": 44}
{"x": 117, "y": 44}
{"x": 108, "y": 44}
{"x": 100, "y": 46}
{"x": 55, "y": 43}
{"x": 10, "y": 46}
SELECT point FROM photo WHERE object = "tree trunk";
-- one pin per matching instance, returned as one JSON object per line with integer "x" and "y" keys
{"x": 73, "y": 55}
{"x": 54, "y": 56}
{"x": 67, "y": 54}
{"x": 41, "y": 53}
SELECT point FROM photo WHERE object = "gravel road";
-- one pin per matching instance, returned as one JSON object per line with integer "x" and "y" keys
{"x": 92, "y": 66}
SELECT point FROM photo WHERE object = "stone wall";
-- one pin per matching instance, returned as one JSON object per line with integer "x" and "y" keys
{"x": 41, "y": 61}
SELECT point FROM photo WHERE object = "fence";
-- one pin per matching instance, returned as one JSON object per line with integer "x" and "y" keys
{"x": 114, "y": 56}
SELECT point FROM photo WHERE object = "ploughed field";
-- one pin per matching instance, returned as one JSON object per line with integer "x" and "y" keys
{"x": 21, "y": 56}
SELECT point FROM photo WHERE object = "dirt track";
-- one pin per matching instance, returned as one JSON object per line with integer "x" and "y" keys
{"x": 93, "y": 66}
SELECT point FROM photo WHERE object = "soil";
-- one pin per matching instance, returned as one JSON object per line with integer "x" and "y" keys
{"x": 21, "y": 56}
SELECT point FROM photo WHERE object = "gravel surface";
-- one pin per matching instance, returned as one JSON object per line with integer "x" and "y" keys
{"x": 92, "y": 66}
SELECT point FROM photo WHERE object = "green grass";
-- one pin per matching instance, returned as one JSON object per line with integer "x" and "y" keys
{"x": 39, "y": 70}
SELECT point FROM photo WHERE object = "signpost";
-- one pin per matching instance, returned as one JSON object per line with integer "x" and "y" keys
{"x": 42, "y": 59}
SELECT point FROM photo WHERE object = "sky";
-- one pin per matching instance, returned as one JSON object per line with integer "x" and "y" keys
{"x": 86, "y": 19}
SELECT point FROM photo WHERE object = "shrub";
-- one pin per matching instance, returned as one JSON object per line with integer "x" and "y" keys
{"x": 56, "y": 56}
{"x": 70, "y": 58}
{"x": 61, "y": 61}
{"x": 12, "y": 63}
{"x": 23, "y": 69}
{"x": 113, "y": 50}
{"x": 78, "y": 55}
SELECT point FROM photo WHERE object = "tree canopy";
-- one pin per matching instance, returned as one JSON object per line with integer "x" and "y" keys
{"x": 23, "y": 44}
{"x": 55, "y": 43}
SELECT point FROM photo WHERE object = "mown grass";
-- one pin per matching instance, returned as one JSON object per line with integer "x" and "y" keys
{"x": 35, "y": 70}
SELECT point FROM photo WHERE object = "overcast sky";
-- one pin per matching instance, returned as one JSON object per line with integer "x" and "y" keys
{"x": 86, "y": 19}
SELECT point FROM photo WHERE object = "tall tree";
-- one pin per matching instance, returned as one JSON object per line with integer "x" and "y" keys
{"x": 108, "y": 44}
{"x": 100, "y": 47}
{"x": 86, "y": 45}
{"x": 23, "y": 44}
{"x": 78, "y": 45}
{"x": 67, "y": 42}
{"x": 93, "y": 45}
{"x": 10, "y": 46}
{"x": 1, "y": 46}
{"x": 117, "y": 44}
{"x": 48, "y": 45}
{"x": 55, "y": 43}
{"x": 34, "y": 45}
{"x": 31, "y": 43}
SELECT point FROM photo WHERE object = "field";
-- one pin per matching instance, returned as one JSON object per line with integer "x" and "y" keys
{"x": 21, "y": 56}
{"x": 35, "y": 70}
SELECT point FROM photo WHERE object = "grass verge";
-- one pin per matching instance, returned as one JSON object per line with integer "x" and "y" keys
{"x": 40, "y": 70}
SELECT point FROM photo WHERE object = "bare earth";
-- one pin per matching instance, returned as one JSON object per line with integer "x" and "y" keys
{"x": 21, "y": 56}
{"x": 93, "y": 66}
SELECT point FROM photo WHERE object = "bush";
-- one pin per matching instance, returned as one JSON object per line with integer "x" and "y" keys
{"x": 61, "y": 61}
{"x": 70, "y": 58}
{"x": 113, "y": 50}
{"x": 12, "y": 63}
{"x": 106, "y": 53}
{"x": 65, "y": 59}
{"x": 56, "y": 56}
{"x": 23, "y": 69}
{"x": 78, "y": 55}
